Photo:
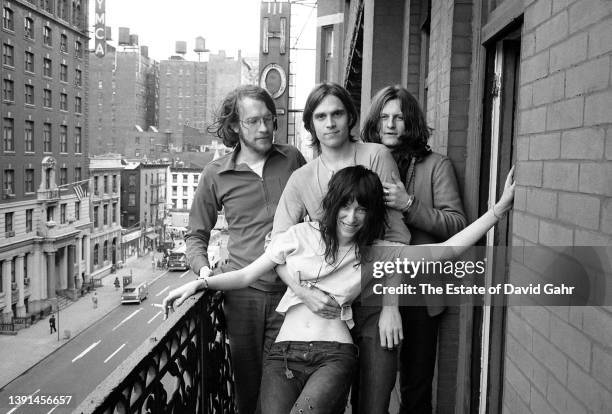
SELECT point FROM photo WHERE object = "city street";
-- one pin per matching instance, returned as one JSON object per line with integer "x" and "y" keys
{"x": 75, "y": 369}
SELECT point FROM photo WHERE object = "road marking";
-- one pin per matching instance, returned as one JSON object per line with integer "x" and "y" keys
{"x": 82, "y": 354}
{"x": 163, "y": 290}
{"x": 157, "y": 305}
{"x": 113, "y": 354}
{"x": 127, "y": 319}
{"x": 181, "y": 276}
{"x": 53, "y": 409}
{"x": 19, "y": 405}
{"x": 156, "y": 315}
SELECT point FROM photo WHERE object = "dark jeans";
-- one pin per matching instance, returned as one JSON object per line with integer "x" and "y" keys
{"x": 374, "y": 382}
{"x": 417, "y": 360}
{"x": 252, "y": 327}
{"x": 307, "y": 377}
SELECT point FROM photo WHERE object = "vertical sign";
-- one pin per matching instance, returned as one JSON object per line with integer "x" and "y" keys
{"x": 274, "y": 59}
{"x": 99, "y": 28}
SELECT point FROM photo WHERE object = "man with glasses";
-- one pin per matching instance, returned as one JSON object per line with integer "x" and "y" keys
{"x": 247, "y": 183}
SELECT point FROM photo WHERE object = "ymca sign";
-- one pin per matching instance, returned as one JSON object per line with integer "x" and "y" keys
{"x": 99, "y": 28}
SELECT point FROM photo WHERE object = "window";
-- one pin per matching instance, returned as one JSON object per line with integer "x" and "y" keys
{"x": 47, "y": 137}
{"x": 105, "y": 251}
{"x": 114, "y": 183}
{"x": 96, "y": 254}
{"x": 63, "y": 72}
{"x": 77, "y": 174}
{"x": 28, "y": 28}
{"x": 29, "y": 94}
{"x": 8, "y": 56}
{"x": 63, "y": 102}
{"x": 47, "y": 67}
{"x": 78, "y": 105}
{"x": 63, "y": 138}
{"x": 62, "y": 9}
{"x": 184, "y": 191}
{"x": 47, "y": 98}
{"x": 137, "y": 140}
{"x": 95, "y": 185}
{"x": 131, "y": 199}
{"x": 95, "y": 216}
{"x": 29, "y": 136}
{"x": 63, "y": 214}
{"x": 114, "y": 213}
{"x": 63, "y": 43}
{"x": 174, "y": 203}
{"x": 8, "y": 90}
{"x": 7, "y": 19}
{"x": 173, "y": 191}
{"x": 8, "y": 222}
{"x": 105, "y": 184}
{"x": 185, "y": 178}
{"x": 184, "y": 203}
{"x": 29, "y": 215}
{"x": 77, "y": 210}
{"x": 47, "y": 5}
{"x": 29, "y": 62}
{"x": 47, "y": 38}
{"x": 9, "y": 182}
{"x": 196, "y": 178}
{"x": 8, "y": 134}
{"x": 132, "y": 180}
{"x": 63, "y": 176}
{"x": 105, "y": 214}
{"x": 29, "y": 180}
{"x": 78, "y": 77}
{"x": 78, "y": 49}
{"x": 77, "y": 140}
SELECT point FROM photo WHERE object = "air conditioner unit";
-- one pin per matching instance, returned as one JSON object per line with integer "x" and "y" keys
{"x": 26, "y": 281}
{"x": 70, "y": 219}
{"x": 8, "y": 193}
{"x": 9, "y": 233}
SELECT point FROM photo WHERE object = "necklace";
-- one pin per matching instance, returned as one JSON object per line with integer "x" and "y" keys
{"x": 334, "y": 267}
{"x": 332, "y": 172}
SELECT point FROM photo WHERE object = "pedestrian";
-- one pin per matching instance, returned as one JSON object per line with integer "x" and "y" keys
{"x": 427, "y": 195}
{"x": 153, "y": 261}
{"x": 329, "y": 116}
{"x": 52, "y": 324}
{"x": 310, "y": 366}
{"x": 94, "y": 300}
{"x": 116, "y": 283}
{"x": 247, "y": 184}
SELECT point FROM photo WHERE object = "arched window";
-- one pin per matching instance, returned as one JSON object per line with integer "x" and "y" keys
{"x": 96, "y": 254}
{"x": 105, "y": 250}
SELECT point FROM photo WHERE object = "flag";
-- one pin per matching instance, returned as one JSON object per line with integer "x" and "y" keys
{"x": 80, "y": 189}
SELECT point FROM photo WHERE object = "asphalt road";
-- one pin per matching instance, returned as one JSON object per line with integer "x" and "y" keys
{"x": 75, "y": 369}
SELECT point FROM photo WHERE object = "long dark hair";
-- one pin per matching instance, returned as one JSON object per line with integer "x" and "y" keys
{"x": 227, "y": 115}
{"x": 413, "y": 144}
{"x": 316, "y": 96}
{"x": 349, "y": 184}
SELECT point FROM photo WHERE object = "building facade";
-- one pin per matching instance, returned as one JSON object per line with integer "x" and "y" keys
{"x": 45, "y": 218}
{"x": 105, "y": 172}
{"x": 504, "y": 82}
{"x": 123, "y": 98}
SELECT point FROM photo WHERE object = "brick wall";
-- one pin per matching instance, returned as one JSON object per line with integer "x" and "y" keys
{"x": 559, "y": 359}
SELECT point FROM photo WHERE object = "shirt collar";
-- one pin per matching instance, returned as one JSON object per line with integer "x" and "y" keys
{"x": 229, "y": 163}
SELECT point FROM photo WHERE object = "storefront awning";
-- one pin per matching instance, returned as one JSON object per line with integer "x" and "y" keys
{"x": 152, "y": 236}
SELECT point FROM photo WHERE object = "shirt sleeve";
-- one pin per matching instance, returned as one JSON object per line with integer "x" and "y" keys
{"x": 291, "y": 208}
{"x": 282, "y": 245}
{"x": 446, "y": 217}
{"x": 202, "y": 219}
{"x": 384, "y": 165}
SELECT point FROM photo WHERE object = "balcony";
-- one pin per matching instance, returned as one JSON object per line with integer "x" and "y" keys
{"x": 49, "y": 195}
{"x": 183, "y": 367}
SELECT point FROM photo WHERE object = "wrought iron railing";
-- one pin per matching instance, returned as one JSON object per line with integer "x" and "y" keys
{"x": 183, "y": 368}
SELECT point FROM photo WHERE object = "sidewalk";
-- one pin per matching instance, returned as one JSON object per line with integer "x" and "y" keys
{"x": 34, "y": 343}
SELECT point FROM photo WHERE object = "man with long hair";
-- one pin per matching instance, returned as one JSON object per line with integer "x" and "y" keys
{"x": 427, "y": 195}
{"x": 247, "y": 184}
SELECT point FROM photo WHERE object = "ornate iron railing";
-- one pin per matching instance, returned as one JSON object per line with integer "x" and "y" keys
{"x": 183, "y": 368}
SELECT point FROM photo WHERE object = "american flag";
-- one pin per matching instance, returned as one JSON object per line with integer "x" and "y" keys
{"x": 80, "y": 189}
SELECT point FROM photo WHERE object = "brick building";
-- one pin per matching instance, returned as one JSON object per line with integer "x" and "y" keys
{"x": 504, "y": 82}
{"x": 45, "y": 237}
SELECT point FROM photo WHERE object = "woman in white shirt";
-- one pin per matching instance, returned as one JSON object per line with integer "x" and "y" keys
{"x": 311, "y": 365}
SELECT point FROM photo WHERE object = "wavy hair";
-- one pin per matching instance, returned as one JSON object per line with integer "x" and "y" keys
{"x": 227, "y": 114}
{"x": 413, "y": 144}
{"x": 316, "y": 96}
{"x": 349, "y": 184}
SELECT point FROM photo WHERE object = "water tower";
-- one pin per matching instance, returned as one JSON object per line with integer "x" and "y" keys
{"x": 200, "y": 46}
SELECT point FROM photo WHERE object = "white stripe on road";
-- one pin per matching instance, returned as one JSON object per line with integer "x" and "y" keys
{"x": 163, "y": 290}
{"x": 113, "y": 354}
{"x": 127, "y": 319}
{"x": 82, "y": 354}
{"x": 181, "y": 276}
{"x": 156, "y": 315}
{"x": 19, "y": 405}
{"x": 53, "y": 409}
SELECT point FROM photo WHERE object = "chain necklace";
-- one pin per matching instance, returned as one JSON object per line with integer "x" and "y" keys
{"x": 320, "y": 161}
{"x": 334, "y": 268}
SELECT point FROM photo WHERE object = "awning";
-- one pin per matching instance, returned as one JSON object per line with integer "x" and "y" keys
{"x": 151, "y": 236}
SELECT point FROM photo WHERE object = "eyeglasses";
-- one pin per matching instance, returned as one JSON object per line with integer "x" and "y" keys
{"x": 254, "y": 122}
{"x": 393, "y": 118}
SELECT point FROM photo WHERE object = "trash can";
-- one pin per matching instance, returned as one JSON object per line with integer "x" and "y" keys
{"x": 67, "y": 334}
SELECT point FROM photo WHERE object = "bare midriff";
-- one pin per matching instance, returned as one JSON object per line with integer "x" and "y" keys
{"x": 301, "y": 324}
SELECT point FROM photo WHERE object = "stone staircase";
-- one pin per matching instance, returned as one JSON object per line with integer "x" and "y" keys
{"x": 63, "y": 301}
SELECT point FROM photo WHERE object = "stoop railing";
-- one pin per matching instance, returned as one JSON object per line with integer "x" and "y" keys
{"x": 184, "y": 367}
